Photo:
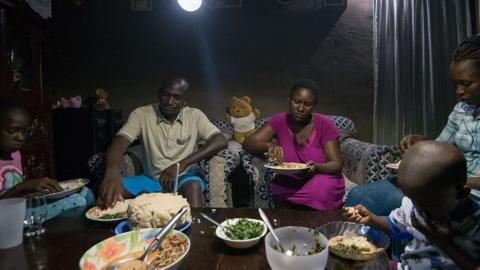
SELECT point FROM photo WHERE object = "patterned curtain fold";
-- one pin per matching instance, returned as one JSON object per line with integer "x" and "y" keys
{"x": 413, "y": 43}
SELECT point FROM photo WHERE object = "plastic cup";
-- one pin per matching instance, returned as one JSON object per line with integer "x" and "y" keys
{"x": 11, "y": 223}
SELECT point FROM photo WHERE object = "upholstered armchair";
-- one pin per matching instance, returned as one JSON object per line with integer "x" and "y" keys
{"x": 362, "y": 162}
{"x": 215, "y": 172}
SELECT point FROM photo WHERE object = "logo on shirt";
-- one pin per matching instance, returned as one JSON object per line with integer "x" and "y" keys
{"x": 184, "y": 141}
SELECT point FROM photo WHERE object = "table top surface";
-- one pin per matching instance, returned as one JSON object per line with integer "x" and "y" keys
{"x": 69, "y": 235}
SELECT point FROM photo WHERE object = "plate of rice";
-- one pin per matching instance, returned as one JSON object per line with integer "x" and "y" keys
{"x": 116, "y": 213}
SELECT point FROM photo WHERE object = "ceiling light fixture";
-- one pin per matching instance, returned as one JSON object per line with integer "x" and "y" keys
{"x": 190, "y": 5}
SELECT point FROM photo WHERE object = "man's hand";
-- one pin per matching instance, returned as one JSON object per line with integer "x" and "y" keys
{"x": 169, "y": 174}
{"x": 43, "y": 185}
{"x": 358, "y": 214}
{"x": 111, "y": 190}
{"x": 410, "y": 140}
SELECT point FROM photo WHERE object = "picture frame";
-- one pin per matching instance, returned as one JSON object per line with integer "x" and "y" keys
{"x": 141, "y": 5}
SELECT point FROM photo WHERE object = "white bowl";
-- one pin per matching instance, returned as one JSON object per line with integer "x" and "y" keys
{"x": 239, "y": 244}
{"x": 304, "y": 239}
{"x": 104, "y": 252}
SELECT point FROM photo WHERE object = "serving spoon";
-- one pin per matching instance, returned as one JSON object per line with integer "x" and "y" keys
{"x": 265, "y": 219}
{"x": 159, "y": 237}
{"x": 212, "y": 221}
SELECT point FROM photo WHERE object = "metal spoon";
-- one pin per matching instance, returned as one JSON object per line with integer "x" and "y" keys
{"x": 176, "y": 179}
{"x": 265, "y": 219}
{"x": 159, "y": 237}
{"x": 212, "y": 221}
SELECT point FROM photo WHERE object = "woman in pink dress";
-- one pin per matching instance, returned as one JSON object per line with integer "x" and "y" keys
{"x": 304, "y": 137}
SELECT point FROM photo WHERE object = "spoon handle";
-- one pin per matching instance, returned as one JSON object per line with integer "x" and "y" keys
{"x": 176, "y": 178}
{"x": 210, "y": 219}
{"x": 267, "y": 222}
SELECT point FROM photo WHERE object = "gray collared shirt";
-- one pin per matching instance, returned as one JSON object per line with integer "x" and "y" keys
{"x": 164, "y": 142}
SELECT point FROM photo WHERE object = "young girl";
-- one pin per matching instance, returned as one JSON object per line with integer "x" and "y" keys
{"x": 14, "y": 121}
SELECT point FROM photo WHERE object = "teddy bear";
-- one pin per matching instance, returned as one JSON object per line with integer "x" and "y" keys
{"x": 242, "y": 116}
{"x": 73, "y": 102}
{"x": 102, "y": 96}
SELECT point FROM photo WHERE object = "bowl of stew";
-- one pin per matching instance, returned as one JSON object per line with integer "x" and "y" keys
{"x": 169, "y": 255}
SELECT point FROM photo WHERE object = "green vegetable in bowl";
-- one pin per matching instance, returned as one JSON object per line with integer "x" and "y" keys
{"x": 114, "y": 216}
{"x": 243, "y": 229}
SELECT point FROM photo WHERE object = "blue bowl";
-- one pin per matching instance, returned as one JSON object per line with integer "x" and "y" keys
{"x": 123, "y": 227}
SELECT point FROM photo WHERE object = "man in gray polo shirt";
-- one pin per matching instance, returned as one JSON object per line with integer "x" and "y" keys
{"x": 169, "y": 132}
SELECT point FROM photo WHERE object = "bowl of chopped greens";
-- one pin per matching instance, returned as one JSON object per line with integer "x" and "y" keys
{"x": 309, "y": 247}
{"x": 241, "y": 232}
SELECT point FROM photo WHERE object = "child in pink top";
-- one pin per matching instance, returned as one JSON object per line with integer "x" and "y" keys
{"x": 14, "y": 121}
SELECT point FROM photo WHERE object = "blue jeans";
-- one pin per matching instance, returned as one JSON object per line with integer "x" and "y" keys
{"x": 380, "y": 197}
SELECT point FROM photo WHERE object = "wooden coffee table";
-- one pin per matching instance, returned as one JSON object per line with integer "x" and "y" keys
{"x": 69, "y": 235}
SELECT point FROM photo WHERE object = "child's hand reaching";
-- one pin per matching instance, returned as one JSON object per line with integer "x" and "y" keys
{"x": 359, "y": 214}
{"x": 44, "y": 185}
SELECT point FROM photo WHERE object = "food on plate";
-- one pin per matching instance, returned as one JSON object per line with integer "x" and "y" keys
{"x": 288, "y": 166}
{"x": 293, "y": 165}
{"x": 352, "y": 246}
{"x": 394, "y": 165}
{"x": 170, "y": 250}
{"x": 119, "y": 210}
{"x": 243, "y": 229}
{"x": 72, "y": 184}
{"x": 154, "y": 210}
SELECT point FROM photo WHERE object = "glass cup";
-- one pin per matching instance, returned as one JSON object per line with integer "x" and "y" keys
{"x": 36, "y": 214}
{"x": 13, "y": 213}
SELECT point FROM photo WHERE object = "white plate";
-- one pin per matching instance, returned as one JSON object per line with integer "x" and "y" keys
{"x": 90, "y": 216}
{"x": 69, "y": 186}
{"x": 393, "y": 165}
{"x": 283, "y": 170}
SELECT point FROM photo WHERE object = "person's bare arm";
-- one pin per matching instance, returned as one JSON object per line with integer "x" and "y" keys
{"x": 259, "y": 141}
{"x": 43, "y": 185}
{"x": 333, "y": 159}
{"x": 362, "y": 215}
{"x": 213, "y": 145}
{"x": 473, "y": 182}
{"x": 111, "y": 188}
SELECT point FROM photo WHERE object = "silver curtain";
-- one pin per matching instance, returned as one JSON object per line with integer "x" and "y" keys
{"x": 413, "y": 43}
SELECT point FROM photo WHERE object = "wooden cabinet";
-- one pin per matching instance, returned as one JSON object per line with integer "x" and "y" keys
{"x": 80, "y": 133}
{"x": 21, "y": 80}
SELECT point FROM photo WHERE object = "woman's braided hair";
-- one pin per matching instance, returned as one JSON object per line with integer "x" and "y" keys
{"x": 469, "y": 49}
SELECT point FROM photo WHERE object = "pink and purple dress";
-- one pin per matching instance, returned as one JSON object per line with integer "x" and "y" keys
{"x": 322, "y": 191}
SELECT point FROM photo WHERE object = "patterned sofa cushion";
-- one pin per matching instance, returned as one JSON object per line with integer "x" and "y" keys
{"x": 363, "y": 162}
{"x": 345, "y": 126}
{"x": 217, "y": 193}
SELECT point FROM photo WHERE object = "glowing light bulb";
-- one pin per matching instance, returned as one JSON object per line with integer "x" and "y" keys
{"x": 190, "y": 5}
